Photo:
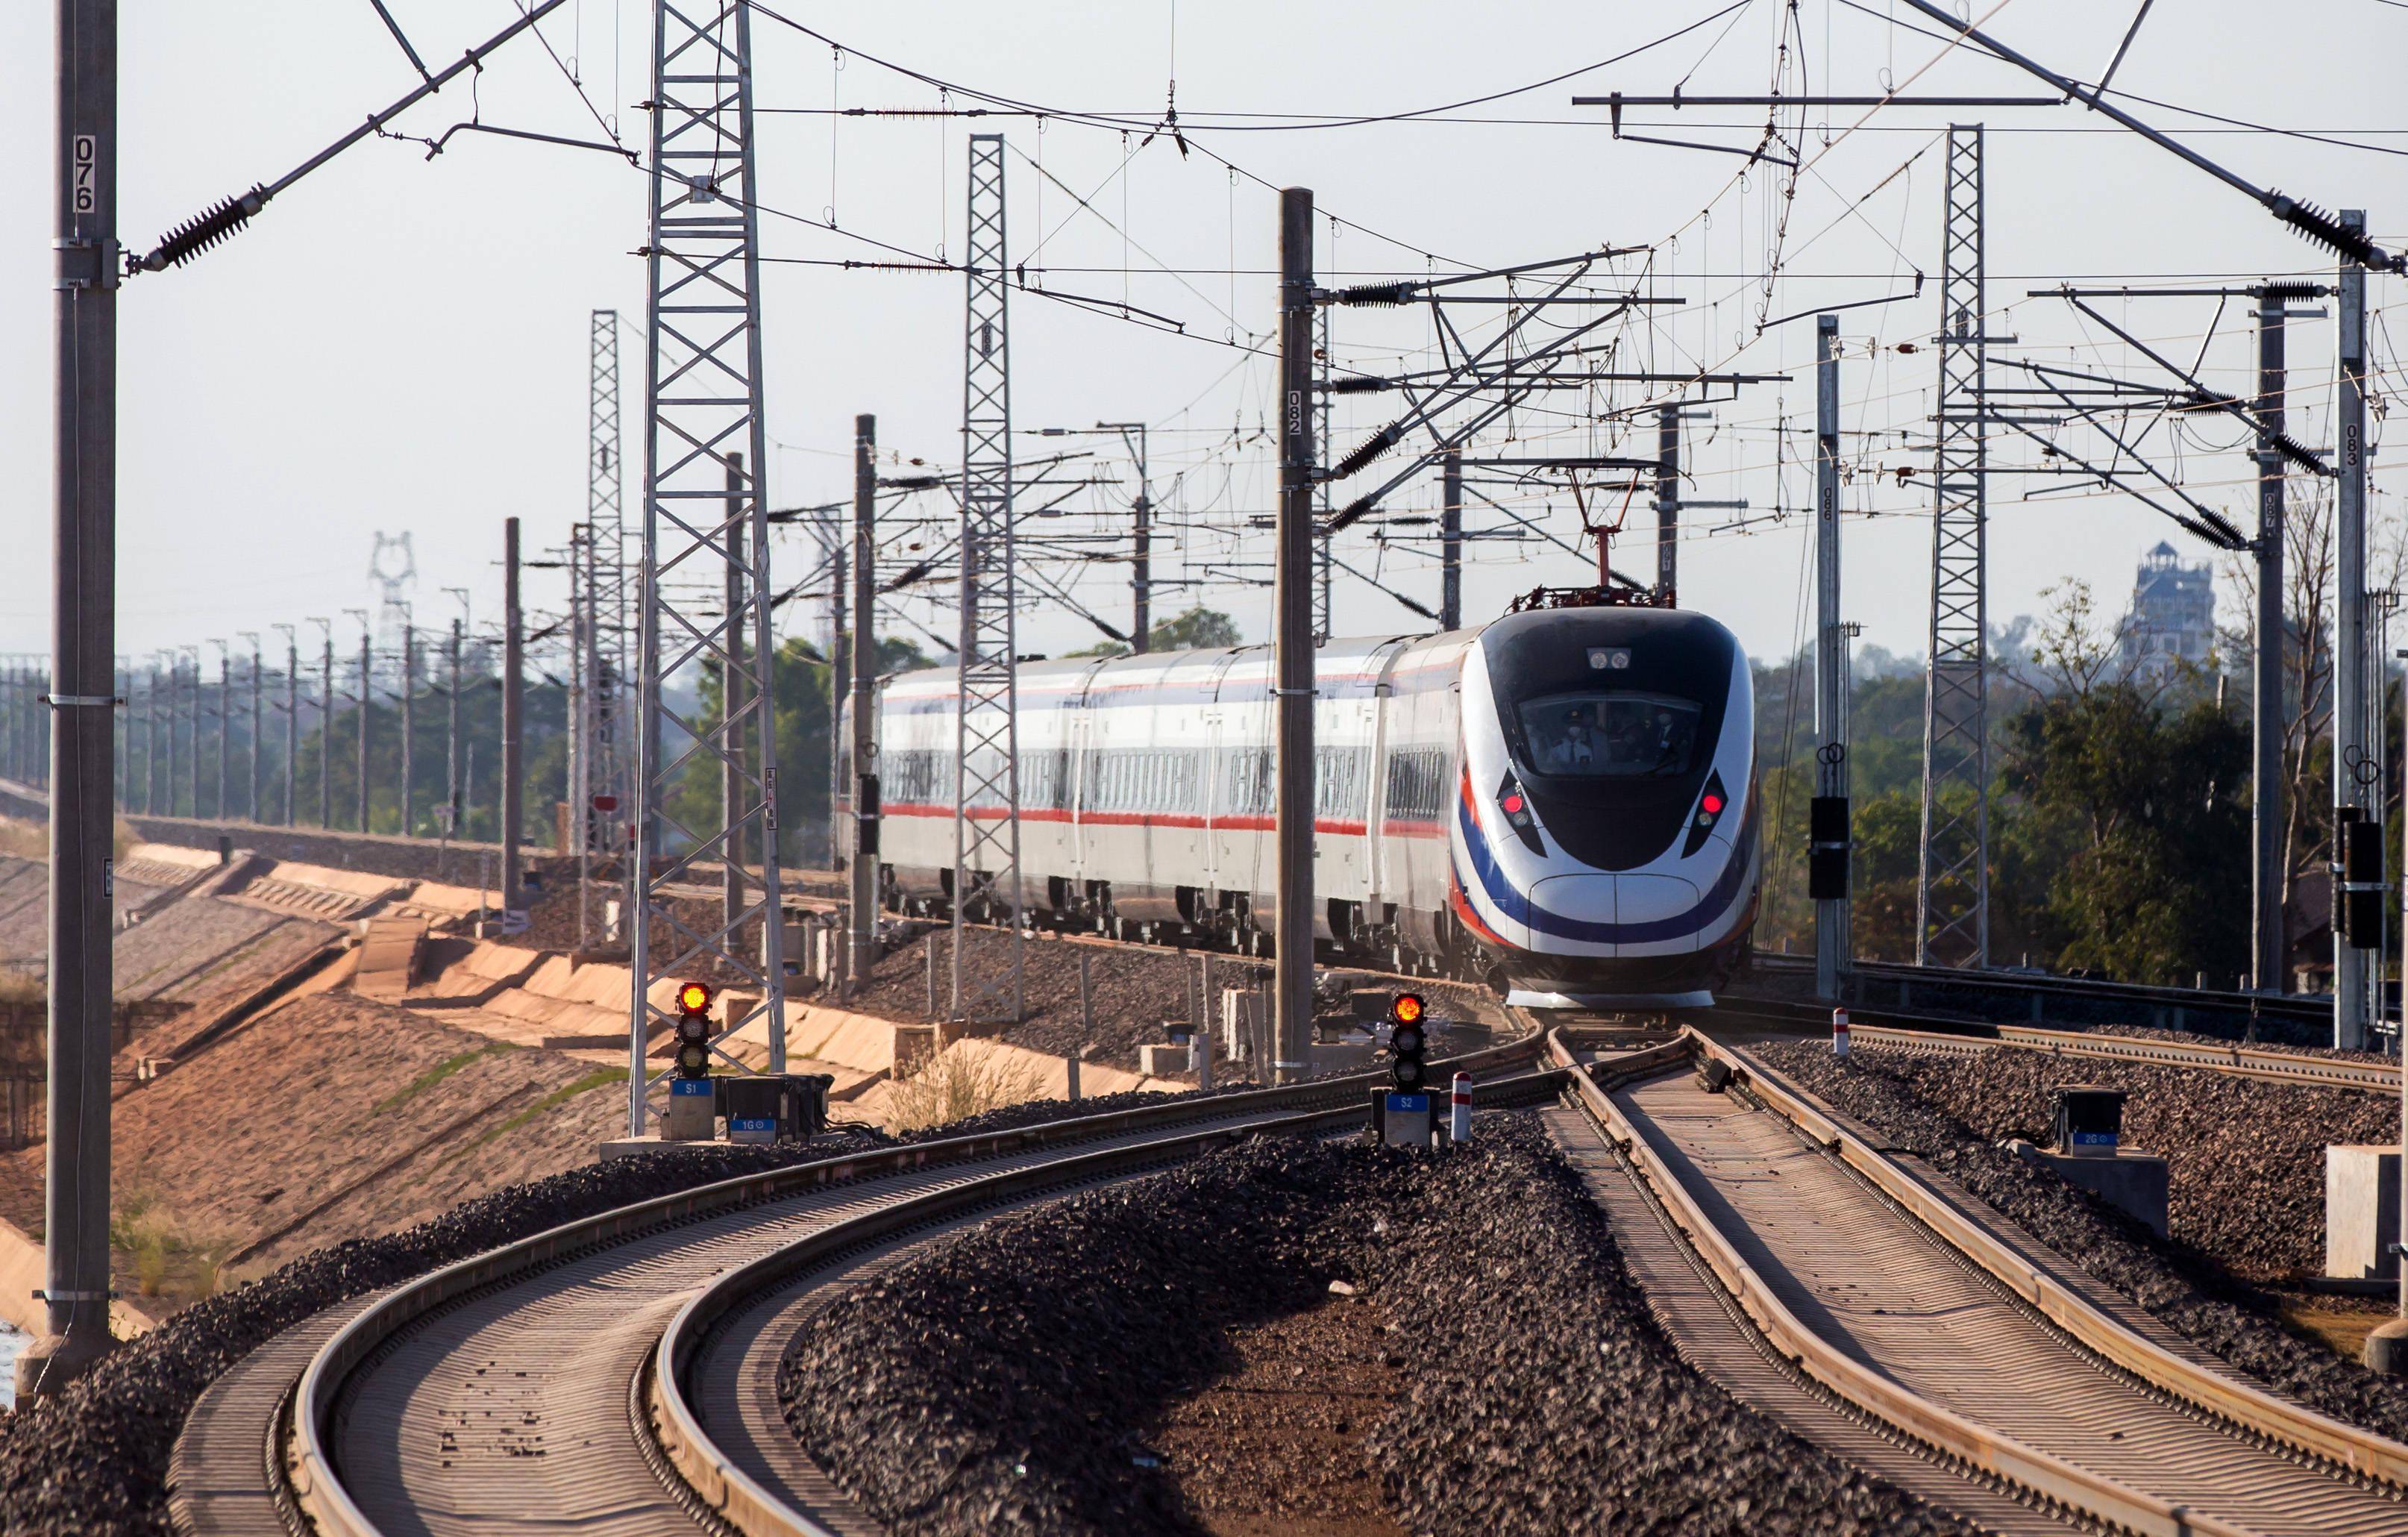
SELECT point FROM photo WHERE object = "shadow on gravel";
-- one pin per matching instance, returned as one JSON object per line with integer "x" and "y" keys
{"x": 1006, "y": 1380}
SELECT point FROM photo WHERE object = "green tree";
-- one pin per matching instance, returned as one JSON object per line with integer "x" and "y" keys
{"x": 1198, "y": 629}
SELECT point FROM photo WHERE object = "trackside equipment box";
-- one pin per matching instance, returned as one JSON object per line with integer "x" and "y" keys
{"x": 690, "y": 1117}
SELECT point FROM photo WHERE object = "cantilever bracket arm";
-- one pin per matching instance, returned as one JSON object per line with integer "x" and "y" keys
{"x": 2290, "y": 447}
{"x": 2310, "y": 220}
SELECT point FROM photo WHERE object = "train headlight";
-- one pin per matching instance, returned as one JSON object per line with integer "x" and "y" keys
{"x": 1518, "y": 815}
{"x": 1711, "y": 806}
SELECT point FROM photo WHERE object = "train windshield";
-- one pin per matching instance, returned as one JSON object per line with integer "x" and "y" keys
{"x": 1611, "y": 736}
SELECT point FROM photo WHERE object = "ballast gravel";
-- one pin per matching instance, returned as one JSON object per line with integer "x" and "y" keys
{"x": 93, "y": 1461}
{"x": 1012, "y": 1379}
{"x": 2182, "y": 1286}
{"x": 2244, "y": 1157}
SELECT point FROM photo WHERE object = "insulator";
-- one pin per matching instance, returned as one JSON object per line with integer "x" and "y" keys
{"x": 1376, "y": 293}
{"x": 1371, "y": 448}
{"x": 2290, "y": 292}
{"x": 1360, "y": 384}
{"x": 1354, "y": 510}
{"x": 2323, "y": 228}
{"x": 2298, "y": 452}
{"x": 189, "y": 240}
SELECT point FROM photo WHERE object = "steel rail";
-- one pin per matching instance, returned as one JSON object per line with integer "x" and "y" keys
{"x": 2236, "y": 1060}
{"x": 715, "y": 1476}
{"x": 2206, "y": 1054}
{"x": 1949, "y": 1433}
{"x": 313, "y": 1471}
{"x": 2301, "y": 1429}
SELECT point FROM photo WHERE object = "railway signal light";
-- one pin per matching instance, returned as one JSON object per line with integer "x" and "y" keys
{"x": 1408, "y": 1045}
{"x": 693, "y": 1029}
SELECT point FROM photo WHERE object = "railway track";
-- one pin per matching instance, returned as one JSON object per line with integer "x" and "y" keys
{"x": 1924, "y": 1033}
{"x": 620, "y": 1372}
{"x": 1882, "y": 1312}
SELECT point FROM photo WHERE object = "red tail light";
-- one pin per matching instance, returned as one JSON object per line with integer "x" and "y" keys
{"x": 1713, "y": 804}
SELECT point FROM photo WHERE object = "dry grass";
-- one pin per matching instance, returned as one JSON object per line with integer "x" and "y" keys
{"x": 32, "y": 839}
{"x": 167, "y": 1260}
{"x": 957, "y": 1083}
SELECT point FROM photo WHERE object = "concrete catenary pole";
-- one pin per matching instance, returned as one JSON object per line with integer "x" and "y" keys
{"x": 452, "y": 740}
{"x": 193, "y": 719}
{"x": 2267, "y": 939}
{"x": 1450, "y": 543}
{"x": 367, "y": 722}
{"x": 83, "y": 654}
{"x": 1667, "y": 499}
{"x": 2355, "y": 761}
{"x": 150, "y": 740}
{"x": 1140, "y": 539}
{"x": 251, "y": 800}
{"x": 325, "y": 724}
{"x": 513, "y": 744}
{"x": 292, "y": 717}
{"x": 1292, "y": 990}
{"x": 225, "y": 718}
{"x": 1830, "y": 661}
{"x": 863, "y": 874}
{"x": 841, "y": 630}
{"x": 408, "y": 729}
{"x": 732, "y": 777}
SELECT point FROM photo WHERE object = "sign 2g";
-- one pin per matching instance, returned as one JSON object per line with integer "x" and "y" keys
{"x": 86, "y": 174}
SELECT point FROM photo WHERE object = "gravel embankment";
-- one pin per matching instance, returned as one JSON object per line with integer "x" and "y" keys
{"x": 2245, "y": 1158}
{"x": 2182, "y": 1286}
{"x": 1014, "y": 1379}
{"x": 92, "y": 1462}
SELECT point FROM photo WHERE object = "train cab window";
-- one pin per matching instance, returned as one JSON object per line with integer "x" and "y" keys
{"x": 1610, "y": 736}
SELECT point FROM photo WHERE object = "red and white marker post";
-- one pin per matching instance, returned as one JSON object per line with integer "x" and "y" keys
{"x": 1839, "y": 1032}
{"x": 1458, "y": 1125}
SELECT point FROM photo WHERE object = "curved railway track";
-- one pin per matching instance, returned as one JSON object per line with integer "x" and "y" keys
{"x": 618, "y": 1372}
{"x": 1884, "y": 1313}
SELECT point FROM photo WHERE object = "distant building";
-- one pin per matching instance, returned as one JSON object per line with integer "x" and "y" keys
{"x": 2174, "y": 616}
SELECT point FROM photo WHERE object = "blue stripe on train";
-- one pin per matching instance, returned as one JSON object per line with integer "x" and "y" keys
{"x": 1518, "y": 908}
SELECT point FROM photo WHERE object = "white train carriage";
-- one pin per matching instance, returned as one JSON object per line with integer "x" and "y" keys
{"x": 1564, "y": 801}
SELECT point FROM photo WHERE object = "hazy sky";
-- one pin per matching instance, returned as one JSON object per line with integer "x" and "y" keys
{"x": 401, "y": 344}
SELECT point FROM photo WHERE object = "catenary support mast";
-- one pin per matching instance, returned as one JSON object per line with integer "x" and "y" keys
{"x": 2358, "y": 696}
{"x": 1826, "y": 856}
{"x": 82, "y": 692}
{"x": 2268, "y": 942}
{"x": 862, "y": 883}
{"x": 1953, "y": 886}
{"x": 1293, "y": 647}
{"x": 987, "y": 983}
{"x": 703, "y": 425}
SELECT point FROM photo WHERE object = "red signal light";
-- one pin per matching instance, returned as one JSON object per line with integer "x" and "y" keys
{"x": 1406, "y": 1009}
{"x": 693, "y": 998}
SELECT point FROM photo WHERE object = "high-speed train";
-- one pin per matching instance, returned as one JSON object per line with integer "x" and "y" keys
{"x": 1562, "y": 803}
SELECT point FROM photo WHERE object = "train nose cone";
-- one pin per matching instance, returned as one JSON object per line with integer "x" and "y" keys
{"x": 1655, "y": 912}
{"x": 1582, "y": 899}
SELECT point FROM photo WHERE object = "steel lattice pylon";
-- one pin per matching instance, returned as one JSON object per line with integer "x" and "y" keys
{"x": 986, "y": 761}
{"x": 1952, "y": 886}
{"x": 701, "y": 577}
{"x": 602, "y": 659}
